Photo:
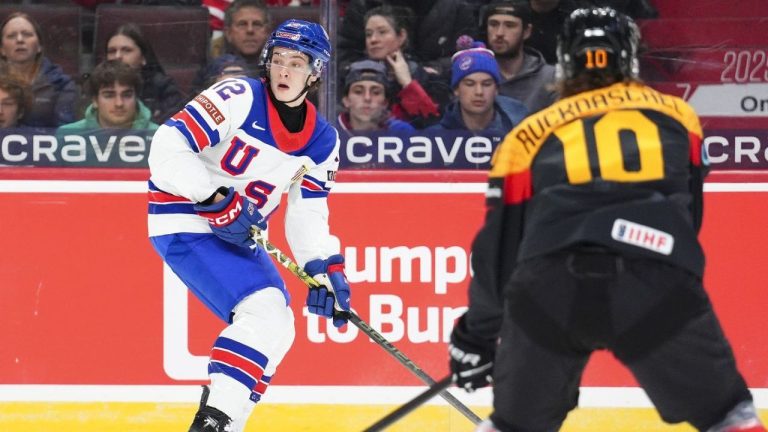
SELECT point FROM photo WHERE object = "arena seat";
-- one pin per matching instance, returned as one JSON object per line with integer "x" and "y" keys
{"x": 179, "y": 34}
{"x": 47, "y": 2}
{"x": 711, "y": 8}
{"x": 703, "y": 32}
{"x": 60, "y": 26}
{"x": 306, "y": 13}
{"x": 183, "y": 76}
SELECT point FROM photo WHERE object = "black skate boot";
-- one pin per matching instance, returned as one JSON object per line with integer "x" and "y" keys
{"x": 210, "y": 419}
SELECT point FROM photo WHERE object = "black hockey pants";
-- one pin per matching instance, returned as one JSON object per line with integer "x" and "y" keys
{"x": 655, "y": 318}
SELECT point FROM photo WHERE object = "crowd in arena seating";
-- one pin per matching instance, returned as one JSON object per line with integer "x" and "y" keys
{"x": 400, "y": 65}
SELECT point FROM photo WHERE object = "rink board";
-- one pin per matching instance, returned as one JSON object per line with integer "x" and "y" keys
{"x": 86, "y": 303}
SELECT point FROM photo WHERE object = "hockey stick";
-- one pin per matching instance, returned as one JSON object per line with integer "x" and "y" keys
{"x": 299, "y": 272}
{"x": 411, "y": 405}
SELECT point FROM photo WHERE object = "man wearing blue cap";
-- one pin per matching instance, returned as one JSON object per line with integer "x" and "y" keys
{"x": 475, "y": 82}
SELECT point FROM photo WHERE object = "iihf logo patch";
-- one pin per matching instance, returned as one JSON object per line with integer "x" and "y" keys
{"x": 642, "y": 236}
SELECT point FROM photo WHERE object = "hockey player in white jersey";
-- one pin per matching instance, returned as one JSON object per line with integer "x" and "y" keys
{"x": 218, "y": 167}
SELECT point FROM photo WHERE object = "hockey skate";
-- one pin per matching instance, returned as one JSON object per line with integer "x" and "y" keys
{"x": 210, "y": 419}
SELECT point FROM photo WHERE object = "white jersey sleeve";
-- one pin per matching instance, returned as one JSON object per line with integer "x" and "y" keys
{"x": 306, "y": 219}
{"x": 174, "y": 156}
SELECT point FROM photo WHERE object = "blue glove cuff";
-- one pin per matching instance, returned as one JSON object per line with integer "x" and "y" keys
{"x": 317, "y": 266}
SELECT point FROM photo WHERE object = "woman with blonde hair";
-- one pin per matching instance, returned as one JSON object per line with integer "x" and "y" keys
{"x": 21, "y": 56}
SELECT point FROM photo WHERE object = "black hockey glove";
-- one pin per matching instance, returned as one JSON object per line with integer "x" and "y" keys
{"x": 471, "y": 358}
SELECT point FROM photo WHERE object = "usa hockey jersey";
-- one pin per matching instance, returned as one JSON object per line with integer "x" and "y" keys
{"x": 231, "y": 135}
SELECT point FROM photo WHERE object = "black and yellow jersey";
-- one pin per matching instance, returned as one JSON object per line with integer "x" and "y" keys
{"x": 619, "y": 166}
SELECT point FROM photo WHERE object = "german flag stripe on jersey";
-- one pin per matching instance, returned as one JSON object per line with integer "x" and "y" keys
{"x": 513, "y": 158}
{"x": 697, "y": 149}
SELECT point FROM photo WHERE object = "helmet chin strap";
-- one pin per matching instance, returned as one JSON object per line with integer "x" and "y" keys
{"x": 301, "y": 93}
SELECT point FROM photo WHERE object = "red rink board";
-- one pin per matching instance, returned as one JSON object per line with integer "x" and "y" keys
{"x": 82, "y": 290}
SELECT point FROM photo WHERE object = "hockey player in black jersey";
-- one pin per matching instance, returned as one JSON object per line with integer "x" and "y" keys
{"x": 590, "y": 242}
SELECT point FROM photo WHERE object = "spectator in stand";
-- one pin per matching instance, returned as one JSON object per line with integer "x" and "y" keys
{"x": 247, "y": 25}
{"x": 229, "y": 66}
{"x": 158, "y": 92}
{"x": 418, "y": 90}
{"x": 21, "y": 56}
{"x": 113, "y": 87}
{"x": 437, "y": 25}
{"x": 366, "y": 100}
{"x": 93, "y": 4}
{"x": 218, "y": 8}
{"x": 272, "y": 3}
{"x": 14, "y": 100}
{"x": 216, "y": 11}
{"x": 547, "y": 18}
{"x": 475, "y": 80}
{"x": 526, "y": 75}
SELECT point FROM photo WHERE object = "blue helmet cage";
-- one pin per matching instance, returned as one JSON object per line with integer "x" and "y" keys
{"x": 303, "y": 36}
{"x": 604, "y": 29}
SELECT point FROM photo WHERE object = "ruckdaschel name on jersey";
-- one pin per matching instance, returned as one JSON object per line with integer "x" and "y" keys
{"x": 534, "y": 129}
{"x": 97, "y": 149}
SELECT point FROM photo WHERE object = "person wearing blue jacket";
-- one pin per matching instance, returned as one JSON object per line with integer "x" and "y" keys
{"x": 21, "y": 56}
{"x": 477, "y": 105}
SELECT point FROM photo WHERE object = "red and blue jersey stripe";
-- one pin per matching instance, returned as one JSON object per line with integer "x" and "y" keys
{"x": 195, "y": 129}
{"x": 238, "y": 361}
{"x": 261, "y": 387}
{"x": 161, "y": 202}
{"x": 313, "y": 188}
